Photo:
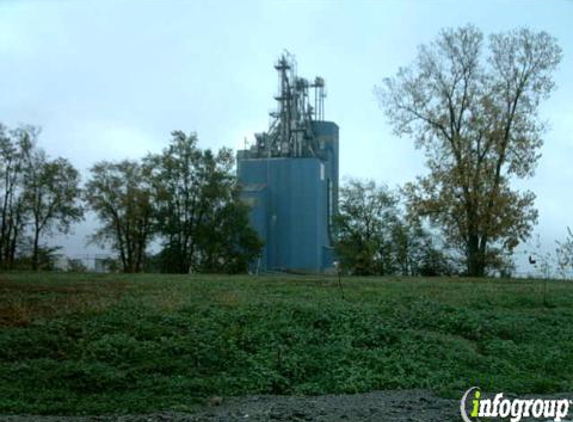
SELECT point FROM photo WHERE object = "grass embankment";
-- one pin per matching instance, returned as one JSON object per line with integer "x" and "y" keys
{"x": 117, "y": 343}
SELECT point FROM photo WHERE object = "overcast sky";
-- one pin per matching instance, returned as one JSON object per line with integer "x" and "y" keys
{"x": 111, "y": 79}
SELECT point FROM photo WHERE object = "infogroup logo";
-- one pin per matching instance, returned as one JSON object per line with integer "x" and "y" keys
{"x": 474, "y": 406}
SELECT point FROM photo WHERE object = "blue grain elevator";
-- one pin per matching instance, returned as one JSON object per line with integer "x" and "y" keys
{"x": 289, "y": 177}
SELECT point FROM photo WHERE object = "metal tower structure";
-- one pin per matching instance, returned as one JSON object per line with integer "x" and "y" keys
{"x": 291, "y": 132}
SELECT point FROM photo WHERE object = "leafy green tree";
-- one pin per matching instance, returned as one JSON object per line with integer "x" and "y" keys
{"x": 121, "y": 196}
{"x": 228, "y": 243}
{"x": 477, "y": 121}
{"x": 199, "y": 217}
{"x": 51, "y": 193}
{"x": 183, "y": 179}
{"x": 363, "y": 227}
{"x": 416, "y": 251}
{"x": 374, "y": 237}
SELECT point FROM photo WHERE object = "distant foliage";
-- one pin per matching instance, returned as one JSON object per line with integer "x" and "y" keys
{"x": 375, "y": 238}
{"x": 187, "y": 198}
{"x": 45, "y": 258}
{"x": 565, "y": 254}
{"x": 76, "y": 266}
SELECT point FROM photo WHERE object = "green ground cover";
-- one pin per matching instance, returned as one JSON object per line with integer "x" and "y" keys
{"x": 90, "y": 344}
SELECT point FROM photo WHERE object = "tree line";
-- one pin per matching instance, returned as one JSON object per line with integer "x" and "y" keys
{"x": 185, "y": 198}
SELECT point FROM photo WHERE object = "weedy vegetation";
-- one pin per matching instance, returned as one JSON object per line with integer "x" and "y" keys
{"x": 95, "y": 344}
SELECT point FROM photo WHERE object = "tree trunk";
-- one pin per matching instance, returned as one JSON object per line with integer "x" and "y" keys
{"x": 35, "y": 252}
{"x": 475, "y": 257}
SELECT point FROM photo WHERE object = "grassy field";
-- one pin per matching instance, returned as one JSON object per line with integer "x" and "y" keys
{"x": 90, "y": 344}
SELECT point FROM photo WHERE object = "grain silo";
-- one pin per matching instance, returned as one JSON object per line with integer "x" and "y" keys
{"x": 289, "y": 177}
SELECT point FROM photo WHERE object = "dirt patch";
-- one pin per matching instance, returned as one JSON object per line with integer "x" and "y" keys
{"x": 9, "y": 286}
{"x": 26, "y": 301}
{"x": 395, "y": 406}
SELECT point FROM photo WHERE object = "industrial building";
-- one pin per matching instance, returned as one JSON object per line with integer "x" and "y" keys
{"x": 289, "y": 177}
